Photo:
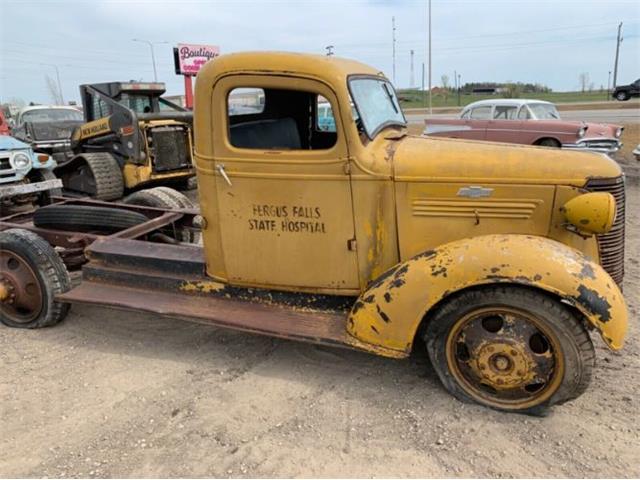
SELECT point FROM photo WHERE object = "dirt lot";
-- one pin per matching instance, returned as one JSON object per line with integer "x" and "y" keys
{"x": 119, "y": 394}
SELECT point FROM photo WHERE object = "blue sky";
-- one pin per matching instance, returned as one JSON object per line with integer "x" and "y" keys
{"x": 545, "y": 41}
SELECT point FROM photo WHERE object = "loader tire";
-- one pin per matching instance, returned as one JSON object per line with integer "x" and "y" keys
{"x": 165, "y": 198}
{"x": 83, "y": 218}
{"x": 97, "y": 174}
{"x": 31, "y": 275}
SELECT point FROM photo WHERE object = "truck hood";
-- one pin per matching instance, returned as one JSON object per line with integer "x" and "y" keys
{"x": 10, "y": 143}
{"x": 452, "y": 160}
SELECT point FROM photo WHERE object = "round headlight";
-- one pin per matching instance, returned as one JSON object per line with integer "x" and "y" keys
{"x": 619, "y": 132}
{"x": 582, "y": 132}
{"x": 21, "y": 160}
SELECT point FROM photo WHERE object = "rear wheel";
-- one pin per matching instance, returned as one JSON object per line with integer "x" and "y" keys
{"x": 31, "y": 275}
{"x": 549, "y": 142}
{"x": 95, "y": 174}
{"x": 165, "y": 198}
{"x": 511, "y": 349}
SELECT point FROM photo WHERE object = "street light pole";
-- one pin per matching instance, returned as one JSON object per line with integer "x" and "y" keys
{"x": 609, "y": 85}
{"x": 430, "y": 104}
{"x": 153, "y": 56}
{"x": 459, "y": 87}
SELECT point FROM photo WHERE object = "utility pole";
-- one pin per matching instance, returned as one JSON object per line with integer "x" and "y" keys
{"x": 430, "y": 104}
{"x": 615, "y": 65}
{"x": 459, "y": 88}
{"x": 455, "y": 81}
{"x": 393, "y": 43}
{"x": 609, "y": 85}
{"x": 329, "y": 49}
{"x": 153, "y": 56}
{"x": 423, "y": 102}
{"x": 412, "y": 83}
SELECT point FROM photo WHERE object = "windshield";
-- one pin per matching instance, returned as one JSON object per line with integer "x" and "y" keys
{"x": 544, "y": 111}
{"x": 51, "y": 115}
{"x": 376, "y": 101}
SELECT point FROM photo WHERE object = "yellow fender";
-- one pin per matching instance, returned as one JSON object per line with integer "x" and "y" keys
{"x": 387, "y": 315}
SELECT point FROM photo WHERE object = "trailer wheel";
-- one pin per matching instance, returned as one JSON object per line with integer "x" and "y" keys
{"x": 31, "y": 275}
{"x": 95, "y": 174}
{"x": 510, "y": 348}
{"x": 84, "y": 218}
{"x": 166, "y": 198}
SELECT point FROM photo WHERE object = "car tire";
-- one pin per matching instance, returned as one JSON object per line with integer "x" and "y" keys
{"x": 549, "y": 142}
{"x": 622, "y": 96}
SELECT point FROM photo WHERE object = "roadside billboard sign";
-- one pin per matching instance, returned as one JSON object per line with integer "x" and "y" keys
{"x": 189, "y": 58}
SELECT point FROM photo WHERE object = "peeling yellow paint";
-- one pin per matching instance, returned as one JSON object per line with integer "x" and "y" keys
{"x": 202, "y": 287}
{"x": 389, "y": 312}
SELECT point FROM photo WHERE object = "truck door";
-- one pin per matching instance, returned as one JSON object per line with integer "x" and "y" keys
{"x": 283, "y": 189}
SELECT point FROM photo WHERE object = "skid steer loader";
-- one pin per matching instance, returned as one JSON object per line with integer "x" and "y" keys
{"x": 131, "y": 139}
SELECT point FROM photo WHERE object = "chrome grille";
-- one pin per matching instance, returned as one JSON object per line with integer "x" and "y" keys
{"x": 611, "y": 244}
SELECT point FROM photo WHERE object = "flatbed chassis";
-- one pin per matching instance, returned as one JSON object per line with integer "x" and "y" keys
{"x": 125, "y": 270}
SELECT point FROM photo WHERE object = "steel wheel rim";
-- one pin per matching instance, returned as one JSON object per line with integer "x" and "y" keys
{"x": 23, "y": 301}
{"x": 505, "y": 357}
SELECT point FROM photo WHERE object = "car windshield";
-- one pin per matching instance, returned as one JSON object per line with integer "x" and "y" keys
{"x": 377, "y": 104}
{"x": 544, "y": 111}
{"x": 41, "y": 115}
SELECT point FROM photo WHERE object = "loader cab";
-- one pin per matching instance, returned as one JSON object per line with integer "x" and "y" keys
{"x": 137, "y": 97}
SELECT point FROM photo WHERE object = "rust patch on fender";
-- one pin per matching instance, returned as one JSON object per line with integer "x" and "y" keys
{"x": 598, "y": 305}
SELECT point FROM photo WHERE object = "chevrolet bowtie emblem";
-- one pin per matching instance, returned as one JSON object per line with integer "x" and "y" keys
{"x": 475, "y": 191}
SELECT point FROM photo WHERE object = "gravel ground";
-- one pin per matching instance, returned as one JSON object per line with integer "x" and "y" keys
{"x": 113, "y": 394}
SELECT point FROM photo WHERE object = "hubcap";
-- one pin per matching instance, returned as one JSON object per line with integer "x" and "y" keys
{"x": 505, "y": 357}
{"x": 20, "y": 292}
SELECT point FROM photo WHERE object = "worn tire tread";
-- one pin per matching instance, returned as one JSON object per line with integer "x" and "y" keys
{"x": 48, "y": 264}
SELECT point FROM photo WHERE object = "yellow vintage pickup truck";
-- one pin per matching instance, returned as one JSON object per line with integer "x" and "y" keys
{"x": 499, "y": 258}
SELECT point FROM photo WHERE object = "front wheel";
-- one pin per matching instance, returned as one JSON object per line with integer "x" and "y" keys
{"x": 622, "y": 96}
{"x": 510, "y": 348}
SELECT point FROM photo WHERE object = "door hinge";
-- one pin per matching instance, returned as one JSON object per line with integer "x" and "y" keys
{"x": 352, "y": 245}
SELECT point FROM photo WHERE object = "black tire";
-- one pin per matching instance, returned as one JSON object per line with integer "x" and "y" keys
{"x": 568, "y": 346}
{"x": 622, "y": 96}
{"x": 47, "y": 271}
{"x": 83, "y": 218}
{"x": 549, "y": 142}
{"x": 95, "y": 174}
{"x": 41, "y": 175}
{"x": 165, "y": 198}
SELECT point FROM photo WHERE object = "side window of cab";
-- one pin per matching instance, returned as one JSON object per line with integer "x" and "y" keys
{"x": 280, "y": 119}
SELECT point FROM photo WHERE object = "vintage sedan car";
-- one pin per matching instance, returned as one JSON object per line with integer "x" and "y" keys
{"x": 48, "y": 129}
{"x": 530, "y": 122}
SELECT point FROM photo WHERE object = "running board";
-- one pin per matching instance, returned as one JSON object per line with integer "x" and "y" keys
{"x": 327, "y": 328}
